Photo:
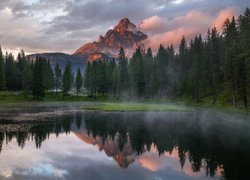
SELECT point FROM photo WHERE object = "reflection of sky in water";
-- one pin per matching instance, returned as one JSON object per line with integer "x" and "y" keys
{"x": 68, "y": 157}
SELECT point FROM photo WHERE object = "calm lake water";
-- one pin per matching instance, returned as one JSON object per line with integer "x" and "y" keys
{"x": 64, "y": 142}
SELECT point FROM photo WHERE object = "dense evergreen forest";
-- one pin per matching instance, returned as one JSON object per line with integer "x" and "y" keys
{"x": 35, "y": 76}
{"x": 216, "y": 66}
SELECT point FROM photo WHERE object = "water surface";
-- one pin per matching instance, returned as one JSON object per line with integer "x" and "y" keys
{"x": 64, "y": 142}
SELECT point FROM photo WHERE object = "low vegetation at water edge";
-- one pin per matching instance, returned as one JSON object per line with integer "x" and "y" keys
{"x": 135, "y": 107}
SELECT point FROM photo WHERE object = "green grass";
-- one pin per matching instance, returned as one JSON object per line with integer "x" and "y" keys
{"x": 11, "y": 97}
{"x": 115, "y": 104}
{"x": 127, "y": 107}
{"x": 19, "y": 97}
{"x": 223, "y": 102}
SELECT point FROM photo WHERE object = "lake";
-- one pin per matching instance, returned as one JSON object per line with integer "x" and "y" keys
{"x": 62, "y": 141}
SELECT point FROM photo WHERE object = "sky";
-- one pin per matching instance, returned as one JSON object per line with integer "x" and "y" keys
{"x": 38, "y": 26}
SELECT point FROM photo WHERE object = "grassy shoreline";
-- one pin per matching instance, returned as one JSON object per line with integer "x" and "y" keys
{"x": 116, "y": 104}
{"x": 131, "y": 107}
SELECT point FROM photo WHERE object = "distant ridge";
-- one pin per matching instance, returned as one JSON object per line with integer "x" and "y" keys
{"x": 62, "y": 59}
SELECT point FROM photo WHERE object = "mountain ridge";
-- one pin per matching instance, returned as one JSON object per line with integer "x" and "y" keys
{"x": 125, "y": 34}
{"x": 62, "y": 59}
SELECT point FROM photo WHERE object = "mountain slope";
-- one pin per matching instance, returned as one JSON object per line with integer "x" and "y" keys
{"x": 63, "y": 59}
{"x": 125, "y": 35}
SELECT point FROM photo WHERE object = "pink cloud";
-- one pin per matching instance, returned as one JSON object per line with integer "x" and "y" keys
{"x": 152, "y": 162}
{"x": 170, "y": 37}
{"x": 223, "y": 15}
{"x": 153, "y": 24}
{"x": 170, "y": 31}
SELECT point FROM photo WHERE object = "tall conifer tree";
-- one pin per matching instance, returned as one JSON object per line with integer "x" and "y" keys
{"x": 78, "y": 81}
{"x": 2, "y": 72}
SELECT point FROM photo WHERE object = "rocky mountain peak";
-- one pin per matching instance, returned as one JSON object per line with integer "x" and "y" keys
{"x": 100, "y": 39}
{"x": 124, "y": 25}
{"x": 124, "y": 34}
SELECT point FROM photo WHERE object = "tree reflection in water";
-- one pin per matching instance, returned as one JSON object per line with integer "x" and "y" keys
{"x": 206, "y": 140}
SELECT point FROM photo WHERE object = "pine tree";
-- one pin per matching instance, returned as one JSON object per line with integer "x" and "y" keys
{"x": 2, "y": 72}
{"x": 244, "y": 29}
{"x": 171, "y": 71}
{"x": 183, "y": 64}
{"x": 38, "y": 89}
{"x": 111, "y": 65}
{"x": 48, "y": 75}
{"x": 123, "y": 72}
{"x": 148, "y": 63}
{"x": 50, "y": 80}
{"x": 197, "y": 68}
{"x": 27, "y": 79}
{"x": 102, "y": 77}
{"x": 138, "y": 73}
{"x": 58, "y": 78}
{"x": 115, "y": 81}
{"x": 214, "y": 62}
{"x": 154, "y": 83}
{"x": 21, "y": 65}
{"x": 87, "y": 78}
{"x": 162, "y": 67}
{"x": 21, "y": 60}
{"x": 13, "y": 74}
{"x": 8, "y": 69}
{"x": 231, "y": 56}
{"x": 78, "y": 81}
{"x": 94, "y": 78}
{"x": 67, "y": 80}
{"x": 207, "y": 63}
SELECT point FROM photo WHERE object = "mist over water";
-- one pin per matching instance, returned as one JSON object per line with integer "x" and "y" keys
{"x": 51, "y": 142}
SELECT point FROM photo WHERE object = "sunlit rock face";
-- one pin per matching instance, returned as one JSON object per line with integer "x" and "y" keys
{"x": 125, "y": 34}
{"x": 100, "y": 56}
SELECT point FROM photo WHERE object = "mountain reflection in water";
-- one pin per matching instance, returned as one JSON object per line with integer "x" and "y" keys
{"x": 206, "y": 141}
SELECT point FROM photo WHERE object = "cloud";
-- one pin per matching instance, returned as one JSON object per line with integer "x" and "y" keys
{"x": 223, "y": 15}
{"x": 168, "y": 31}
{"x": 154, "y": 24}
{"x": 170, "y": 37}
{"x": 45, "y": 170}
{"x": 65, "y": 25}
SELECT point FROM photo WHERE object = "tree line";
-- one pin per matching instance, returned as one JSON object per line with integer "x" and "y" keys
{"x": 36, "y": 76}
{"x": 216, "y": 66}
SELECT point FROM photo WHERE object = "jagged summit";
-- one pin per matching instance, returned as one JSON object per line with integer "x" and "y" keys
{"x": 124, "y": 25}
{"x": 124, "y": 34}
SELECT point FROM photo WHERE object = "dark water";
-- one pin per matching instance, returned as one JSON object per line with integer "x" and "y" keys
{"x": 66, "y": 143}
